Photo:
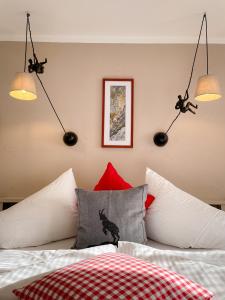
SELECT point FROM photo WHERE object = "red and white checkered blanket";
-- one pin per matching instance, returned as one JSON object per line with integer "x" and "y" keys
{"x": 206, "y": 267}
{"x": 113, "y": 276}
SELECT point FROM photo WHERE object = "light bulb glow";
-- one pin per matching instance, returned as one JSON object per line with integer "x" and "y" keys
{"x": 23, "y": 87}
{"x": 207, "y": 89}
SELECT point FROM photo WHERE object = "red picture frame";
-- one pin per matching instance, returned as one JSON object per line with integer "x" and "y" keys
{"x": 117, "y": 112}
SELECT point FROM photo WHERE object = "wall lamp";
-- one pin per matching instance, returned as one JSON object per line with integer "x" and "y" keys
{"x": 207, "y": 90}
{"x": 23, "y": 86}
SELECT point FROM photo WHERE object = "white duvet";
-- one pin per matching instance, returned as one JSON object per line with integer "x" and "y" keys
{"x": 204, "y": 267}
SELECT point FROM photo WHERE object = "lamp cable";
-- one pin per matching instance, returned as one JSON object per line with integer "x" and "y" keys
{"x": 204, "y": 19}
{"x": 25, "y": 52}
{"x": 196, "y": 50}
{"x": 28, "y": 29}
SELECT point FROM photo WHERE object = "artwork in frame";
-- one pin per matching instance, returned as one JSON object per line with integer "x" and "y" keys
{"x": 117, "y": 113}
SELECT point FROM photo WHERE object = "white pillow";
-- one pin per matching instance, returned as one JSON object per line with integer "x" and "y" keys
{"x": 176, "y": 218}
{"x": 46, "y": 216}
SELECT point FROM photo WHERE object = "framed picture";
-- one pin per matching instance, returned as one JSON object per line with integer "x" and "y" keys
{"x": 117, "y": 113}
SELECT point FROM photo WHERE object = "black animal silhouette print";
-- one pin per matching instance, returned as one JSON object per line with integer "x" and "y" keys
{"x": 109, "y": 226}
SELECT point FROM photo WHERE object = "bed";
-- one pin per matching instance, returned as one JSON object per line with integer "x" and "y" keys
{"x": 20, "y": 267}
{"x": 176, "y": 218}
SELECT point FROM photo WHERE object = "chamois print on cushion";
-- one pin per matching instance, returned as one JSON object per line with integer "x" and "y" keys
{"x": 109, "y": 226}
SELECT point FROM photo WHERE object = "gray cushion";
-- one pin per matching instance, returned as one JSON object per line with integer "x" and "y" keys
{"x": 109, "y": 216}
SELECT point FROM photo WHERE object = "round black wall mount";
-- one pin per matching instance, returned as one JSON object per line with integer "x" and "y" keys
{"x": 70, "y": 138}
{"x": 160, "y": 139}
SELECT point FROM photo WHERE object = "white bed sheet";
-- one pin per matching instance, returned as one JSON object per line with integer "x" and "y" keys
{"x": 17, "y": 267}
{"x": 62, "y": 244}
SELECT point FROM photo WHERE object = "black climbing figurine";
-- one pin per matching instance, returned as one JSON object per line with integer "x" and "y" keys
{"x": 184, "y": 107}
{"x": 36, "y": 66}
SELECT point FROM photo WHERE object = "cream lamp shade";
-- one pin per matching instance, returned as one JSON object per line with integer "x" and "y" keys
{"x": 23, "y": 87}
{"x": 207, "y": 89}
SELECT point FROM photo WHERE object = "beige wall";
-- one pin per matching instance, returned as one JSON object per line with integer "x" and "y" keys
{"x": 32, "y": 152}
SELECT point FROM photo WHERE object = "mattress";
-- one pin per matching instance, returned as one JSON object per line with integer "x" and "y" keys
{"x": 20, "y": 267}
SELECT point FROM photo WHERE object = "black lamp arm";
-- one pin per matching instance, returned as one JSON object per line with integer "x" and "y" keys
{"x": 70, "y": 138}
{"x": 177, "y": 116}
{"x": 49, "y": 100}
